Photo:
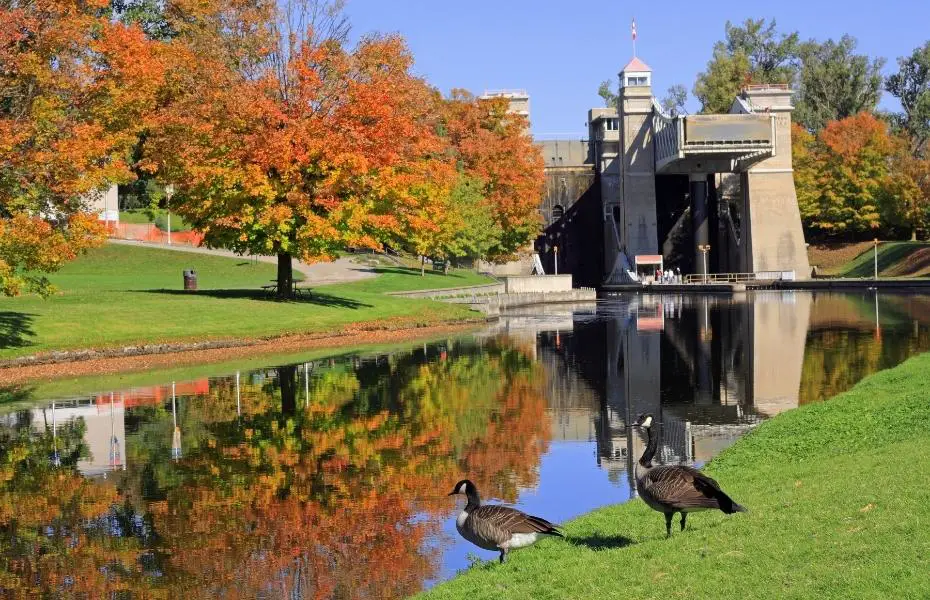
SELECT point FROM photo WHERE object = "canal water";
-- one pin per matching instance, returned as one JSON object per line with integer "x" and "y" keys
{"x": 329, "y": 477}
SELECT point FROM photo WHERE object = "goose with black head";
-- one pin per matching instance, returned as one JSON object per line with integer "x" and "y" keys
{"x": 498, "y": 528}
{"x": 672, "y": 489}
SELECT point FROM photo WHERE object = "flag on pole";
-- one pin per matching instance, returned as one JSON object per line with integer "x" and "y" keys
{"x": 633, "y": 31}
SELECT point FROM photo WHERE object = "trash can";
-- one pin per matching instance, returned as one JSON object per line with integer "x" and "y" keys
{"x": 190, "y": 279}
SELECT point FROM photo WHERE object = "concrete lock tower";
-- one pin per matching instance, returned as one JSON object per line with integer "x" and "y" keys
{"x": 723, "y": 184}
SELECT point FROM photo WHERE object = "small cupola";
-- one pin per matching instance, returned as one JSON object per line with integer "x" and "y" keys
{"x": 636, "y": 74}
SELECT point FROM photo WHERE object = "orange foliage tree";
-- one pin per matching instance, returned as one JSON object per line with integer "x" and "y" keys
{"x": 282, "y": 141}
{"x": 855, "y": 178}
{"x": 74, "y": 90}
{"x": 494, "y": 147}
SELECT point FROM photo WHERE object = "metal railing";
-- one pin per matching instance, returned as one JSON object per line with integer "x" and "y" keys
{"x": 721, "y": 278}
{"x": 754, "y": 87}
{"x": 740, "y": 277}
{"x": 669, "y": 137}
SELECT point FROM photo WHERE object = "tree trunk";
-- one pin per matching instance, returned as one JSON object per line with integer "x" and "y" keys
{"x": 287, "y": 379}
{"x": 285, "y": 276}
{"x": 422, "y": 266}
{"x": 914, "y": 234}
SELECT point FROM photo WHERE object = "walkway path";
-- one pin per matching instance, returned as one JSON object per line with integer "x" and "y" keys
{"x": 342, "y": 270}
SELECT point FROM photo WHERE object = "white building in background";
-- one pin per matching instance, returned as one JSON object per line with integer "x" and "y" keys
{"x": 105, "y": 203}
{"x": 519, "y": 100}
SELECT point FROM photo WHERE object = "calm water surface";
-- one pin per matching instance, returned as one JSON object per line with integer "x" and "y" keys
{"x": 328, "y": 478}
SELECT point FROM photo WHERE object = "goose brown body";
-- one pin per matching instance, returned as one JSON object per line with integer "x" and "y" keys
{"x": 499, "y": 528}
{"x": 674, "y": 489}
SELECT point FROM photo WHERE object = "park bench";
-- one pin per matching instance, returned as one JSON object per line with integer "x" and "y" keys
{"x": 272, "y": 289}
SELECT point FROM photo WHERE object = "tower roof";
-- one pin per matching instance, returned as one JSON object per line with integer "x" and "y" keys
{"x": 636, "y": 65}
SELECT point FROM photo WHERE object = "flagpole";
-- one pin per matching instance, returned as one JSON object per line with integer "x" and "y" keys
{"x": 633, "y": 31}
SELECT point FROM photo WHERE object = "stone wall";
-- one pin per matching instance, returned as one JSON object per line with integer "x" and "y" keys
{"x": 538, "y": 284}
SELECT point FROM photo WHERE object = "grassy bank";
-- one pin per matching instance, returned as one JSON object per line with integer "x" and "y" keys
{"x": 839, "y": 509}
{"x": 895, "y": 259}
{"x": 22, "y": 396}
{"x": 121, "y": 295}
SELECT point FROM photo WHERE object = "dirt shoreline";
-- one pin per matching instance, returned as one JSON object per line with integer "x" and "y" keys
{"x": 77, "y": 363}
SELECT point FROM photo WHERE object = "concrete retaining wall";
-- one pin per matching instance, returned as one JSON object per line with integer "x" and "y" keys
{"x": 493, "y": 298}
{"x": 493, "y": 305}
{"x": 538, "y": 284}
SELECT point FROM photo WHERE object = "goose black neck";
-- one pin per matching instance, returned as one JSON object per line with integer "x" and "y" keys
{"x": 651, "y": 446}
{"x": 474, "y": 500}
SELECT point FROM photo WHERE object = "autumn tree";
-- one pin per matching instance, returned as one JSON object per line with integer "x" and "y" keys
{"x": 476, "y": 231}
{"x": 805, "y": 158}
{"x": 494, "y": 147}
{"x": 74, "y": 89}
{"x": 907, "y": 196}
{"x": 288, "y": 143}
{"x": 843, "y": 175}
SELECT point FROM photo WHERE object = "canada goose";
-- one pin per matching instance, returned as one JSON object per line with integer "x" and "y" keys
{"x": 676, "y": 488}
{"x": 497, "y": 527}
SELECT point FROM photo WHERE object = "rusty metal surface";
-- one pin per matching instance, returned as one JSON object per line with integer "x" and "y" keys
{"x": 728, "y": 129}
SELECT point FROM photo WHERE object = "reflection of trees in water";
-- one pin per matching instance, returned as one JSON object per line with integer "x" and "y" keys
{"x": 314, "y": 488}
{"x": 845, "y": 345}
{"x": 836, "y": 360}
{"x": 49, "y": 516}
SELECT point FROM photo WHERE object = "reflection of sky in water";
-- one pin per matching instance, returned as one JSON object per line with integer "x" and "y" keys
{"x": 710, "y": 369}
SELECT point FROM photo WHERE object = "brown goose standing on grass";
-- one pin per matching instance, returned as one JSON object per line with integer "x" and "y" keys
{"x": 497, "y": 528}
{"x": 676, "y": 488}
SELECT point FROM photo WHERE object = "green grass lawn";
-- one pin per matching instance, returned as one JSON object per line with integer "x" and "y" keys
{"x": 840, "y": 508}
{"x": 120, "y": 295}
{"x": 402, "y": 279}
{"x": 140, "y": 216}
{"x": 895, "y": 259}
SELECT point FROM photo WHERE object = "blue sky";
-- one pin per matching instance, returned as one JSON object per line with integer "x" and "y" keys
{"x": 560, "y": 51}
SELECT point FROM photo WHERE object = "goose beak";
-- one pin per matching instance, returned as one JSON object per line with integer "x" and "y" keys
{"x": 451, "y": 493}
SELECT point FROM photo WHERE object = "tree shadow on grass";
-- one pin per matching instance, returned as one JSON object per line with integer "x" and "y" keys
{"x": 601, "y": 542}
{"x": 312, "y": 298}
{"x": 16, "y": 329}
